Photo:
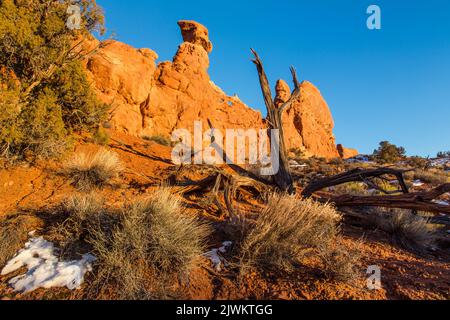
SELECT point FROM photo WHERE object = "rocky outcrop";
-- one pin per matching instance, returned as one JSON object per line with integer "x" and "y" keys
{"x": 346, "y": 153}
{"x": 123, "y": 78}
{"x": 151, "y": 99}
{"x": 194, "y": 32}
{"x": 308, "y": 122}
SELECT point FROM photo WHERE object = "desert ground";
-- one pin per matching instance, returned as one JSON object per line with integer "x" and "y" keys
{"x": 34, "y": 197}
{"x": 94, "y": 205}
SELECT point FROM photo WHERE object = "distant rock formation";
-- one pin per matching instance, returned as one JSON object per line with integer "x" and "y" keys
{"x": 308, "y": 123}
{"x": 347, "y": 153}
{"x": 150, "y": 99}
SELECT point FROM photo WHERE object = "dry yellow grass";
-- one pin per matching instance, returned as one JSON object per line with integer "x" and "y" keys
{"x": 156, "y": 241}
{"x": 93, "y": 170}
{"x": 289, "y": 230}
{"x": 79, "y": 213}
{"x": 410, "y": 231}
{"x": 432, "y": 176}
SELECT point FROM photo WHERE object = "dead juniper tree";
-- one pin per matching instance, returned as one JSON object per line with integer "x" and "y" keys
{"x": 282, "y": 177}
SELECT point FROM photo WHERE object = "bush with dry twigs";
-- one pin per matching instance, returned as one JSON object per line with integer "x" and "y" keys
{"x": 290, "y": 230}
{"x": 155, "y": 242}
{"x": 432, "y": 176}
{"x": 93, "y": 170}
{"x": 78, "y": 214}
{"x": 410, "y": 231}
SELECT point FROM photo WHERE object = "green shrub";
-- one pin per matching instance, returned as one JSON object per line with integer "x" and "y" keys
{"x": 158, "y": 139}
{"x": 418, "y": 162}
{"x": 43, "y": 127}
{"x": 80, "y": 107}
{"x": 443, "y": 154}
{"x": 432, "y": 176}
{"x": 45, "y": 94}
{"x": 101, "y": 137}
{"x": 389, "y": 153}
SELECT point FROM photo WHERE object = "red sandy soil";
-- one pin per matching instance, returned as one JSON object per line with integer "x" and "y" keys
{"x": 41, "y": 186}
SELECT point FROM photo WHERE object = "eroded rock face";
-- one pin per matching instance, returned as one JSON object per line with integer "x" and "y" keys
{"x": 346, "y": 153}
{"x": 195, "y": 33}
{"x": 150, "y": 99}
{"x": 308, "y": 122}
{"x": 123, "y": 78}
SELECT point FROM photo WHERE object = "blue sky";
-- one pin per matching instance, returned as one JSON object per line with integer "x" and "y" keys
{"x": 389, "y": 84}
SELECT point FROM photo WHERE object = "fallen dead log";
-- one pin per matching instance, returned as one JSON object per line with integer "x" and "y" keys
{"x": 368, "y": 217}
{"x": 419, "y": 201}
{"x": 356, "y": 175}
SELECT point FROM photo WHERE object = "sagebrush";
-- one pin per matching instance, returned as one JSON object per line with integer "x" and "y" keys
{"x": 89, "y": 171}
{"x": 409, "y": 230}
{"x": 290, "y": 230}
{"x": 156, "y": 242}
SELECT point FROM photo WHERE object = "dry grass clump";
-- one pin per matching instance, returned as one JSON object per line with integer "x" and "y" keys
{"x": 288, "y": 231}
{"x": 13, "y": 235}
{"x": 93, "y": 170}
{"x": 79, "y": 214}
{"x": 432, "y": 176}
{"x": 155, "y": 242}
{"x": 352, "y": 188}
{"x": 340, "y": 261}
{"x": 408, "y": 230}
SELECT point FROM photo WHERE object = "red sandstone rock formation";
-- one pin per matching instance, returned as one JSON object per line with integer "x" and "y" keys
{"x": 308, "y": 123}
{"x": 347, "y": 153}
{"x": 150, "y": 99}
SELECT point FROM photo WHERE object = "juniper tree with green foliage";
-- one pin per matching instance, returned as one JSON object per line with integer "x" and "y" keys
{"x": 443, "y": 154}
{"x": 389, "y": 153}
{"x": 44, "y": 93}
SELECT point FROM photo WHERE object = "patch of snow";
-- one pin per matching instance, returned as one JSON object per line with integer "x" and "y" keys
{"x": 418, "y": 183}
{"x": 358, "y": 159}
{"x": 442, "y": 203}
{"x": 295, "y": 164}
{"x": 216, "y": 259}
{"x": 440, "y": 162}
{"x": 44, "y": 268}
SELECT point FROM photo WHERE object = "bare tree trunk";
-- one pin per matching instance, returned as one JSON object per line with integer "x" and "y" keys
{"x": 282, "y": 177}
{"x": 418, "y": 201}
{"x": 356, "y": 175}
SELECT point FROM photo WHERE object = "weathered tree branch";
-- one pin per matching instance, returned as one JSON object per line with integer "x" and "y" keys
{"x": 282, "y": 177}
{"x": 295, "y": 94}
{"x": 353, "y": 176}
{"x": 418, "y": 201}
